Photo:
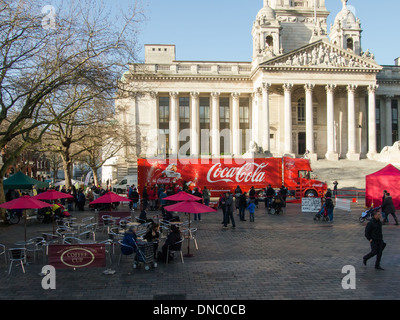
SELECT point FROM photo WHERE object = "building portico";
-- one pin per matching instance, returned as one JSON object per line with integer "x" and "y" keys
{"x": 315, "y": 94}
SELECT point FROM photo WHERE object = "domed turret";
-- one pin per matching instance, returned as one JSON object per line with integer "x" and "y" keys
{"x": 346, "y": 17}
{"x": 266, "y": 13}
{"x": 346, "y": 30}
{"x": 266, "y": 35}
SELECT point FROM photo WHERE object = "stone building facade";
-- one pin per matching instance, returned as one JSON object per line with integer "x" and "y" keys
{"x": 306, "y": 89}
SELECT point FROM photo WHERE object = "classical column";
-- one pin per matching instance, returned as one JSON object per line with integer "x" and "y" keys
{"x": 352, "y": 132}
{"x": 236, "y": 141}
{"x": 266, "y": 143}
{"x": 195, "y": 125}
{"x": 372, "y": 121}
{"x": 330, "y": 122}
{"x": 256, "y": 116}
{"x": 310, "y": 121}
{"x": 215, "y": 135}
{"x": 173, "y": 124}
{"x": 288, "y": 149}
{"x": 389, "y": 121}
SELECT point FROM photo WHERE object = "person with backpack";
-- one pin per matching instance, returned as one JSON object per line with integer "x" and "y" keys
{"x": 329, "y": 206}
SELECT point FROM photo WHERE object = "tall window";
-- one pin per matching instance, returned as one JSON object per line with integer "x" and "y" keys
{"x": 184, "y": 111}
{"x": 378, "y": 124}
{"x": 163, "y": 125}
{"x": 184, "y": 119}
{"x": 244, "y": 123}
{"x": 395, "y": 121}
{"x": 301, "y": 110}
{"x": 204, "y": 125}
{"x": 224, "y": 123}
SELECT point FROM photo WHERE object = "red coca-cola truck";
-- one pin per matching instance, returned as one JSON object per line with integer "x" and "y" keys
{"x": 222, "y": 175}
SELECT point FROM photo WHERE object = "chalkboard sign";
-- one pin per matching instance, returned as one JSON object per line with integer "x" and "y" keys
{"x": 310, "y": 205}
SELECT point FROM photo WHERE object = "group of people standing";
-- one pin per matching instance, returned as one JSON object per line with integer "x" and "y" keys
{"x": 241, "y": 201}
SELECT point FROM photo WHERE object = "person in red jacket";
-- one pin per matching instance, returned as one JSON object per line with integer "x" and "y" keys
{"x": 152, "y": 198}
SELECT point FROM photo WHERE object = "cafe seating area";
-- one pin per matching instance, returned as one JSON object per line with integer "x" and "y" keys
{"x": 106, "y": 228}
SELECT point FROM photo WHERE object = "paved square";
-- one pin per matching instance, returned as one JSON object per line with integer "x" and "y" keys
{"x": 277, "y": 257}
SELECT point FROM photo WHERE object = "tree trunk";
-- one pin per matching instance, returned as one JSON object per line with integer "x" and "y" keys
{"x": 95, "y": 176}
{"x": 2, "y": 199}
{"x": 67, "y": 167}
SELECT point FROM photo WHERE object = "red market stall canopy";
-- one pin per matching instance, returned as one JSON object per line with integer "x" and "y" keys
{"x": 384, "y": 179}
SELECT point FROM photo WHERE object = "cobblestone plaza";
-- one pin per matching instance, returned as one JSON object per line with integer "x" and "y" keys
{"x": 277, "y": 257}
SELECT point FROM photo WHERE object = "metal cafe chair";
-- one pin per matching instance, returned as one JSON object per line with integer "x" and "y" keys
{"x": 16, "y": 255}
{"x": 178, "y": 246}
{"x": 3, "y": 251}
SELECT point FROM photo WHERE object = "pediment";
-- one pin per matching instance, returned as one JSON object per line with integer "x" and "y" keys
{"x": 323, "y": 55}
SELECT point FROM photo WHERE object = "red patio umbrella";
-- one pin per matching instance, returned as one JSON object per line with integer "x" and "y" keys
{"x": 52, "y": 194}
{"x": 110, "y": 197}
{"x": 189, "y": 207}
{"x": 24, "y": 203}
{"x": 183, "y": 196}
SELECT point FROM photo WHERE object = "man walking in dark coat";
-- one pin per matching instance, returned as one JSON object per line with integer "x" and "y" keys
{"x": 373, "y": 233}
{"x": 388, "y": 208}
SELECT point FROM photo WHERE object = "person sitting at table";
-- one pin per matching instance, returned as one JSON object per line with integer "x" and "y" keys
{"x": 173, "y": 237}
{"x": 129, "y": 239}
{"x": 169, "y": 217}
{"x": 153, "y": 235}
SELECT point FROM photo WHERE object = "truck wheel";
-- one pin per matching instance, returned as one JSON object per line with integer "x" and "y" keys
{"x": 311, "y": 193}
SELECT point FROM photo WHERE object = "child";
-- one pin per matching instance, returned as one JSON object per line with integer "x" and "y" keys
{"x": 251, "y": 207}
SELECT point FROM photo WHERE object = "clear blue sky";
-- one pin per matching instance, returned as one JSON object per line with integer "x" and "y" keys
{"x": 220, "y": 30}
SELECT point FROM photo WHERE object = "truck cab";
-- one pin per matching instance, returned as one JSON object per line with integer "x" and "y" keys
{"x": 299, "y": 177}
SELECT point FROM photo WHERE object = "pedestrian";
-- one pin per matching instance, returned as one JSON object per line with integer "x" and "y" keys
{"x": 388, "y": 208}
{"x": 242, "y": 206}
{"x": 145, "y": 198}
{"x": 252, "y": 194}
{"x": 335, "y": 183}
{"x": 238, "y": 193}
{"x": 152, "y": 198}
{"x": 206, "y": 196}
{"x": 135, "y": 199}
{"x": 251, "y": 207}
{"x": 81, "y": 199}
{"x": 270, "y": 193}
{"x": 383, "y": 199}
{"x": 222, "y": 205}
{"x": 229, "y": 210}
{"x": 130, "y": 196}
{"x": 373, "y": 233}
{"x": 197, "y": 193}
{"x": 329, "y": 206}
{"x": 163, "y": 202}
{"x": 284, "y": 192}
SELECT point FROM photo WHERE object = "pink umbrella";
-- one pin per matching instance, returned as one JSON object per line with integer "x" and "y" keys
{"x": 53, "y": 195}
{"x": 189, "y": 207}
{"x": 23, "y": 203}
{"x": 183, "y": 196}
{"x": 110, "y": 197}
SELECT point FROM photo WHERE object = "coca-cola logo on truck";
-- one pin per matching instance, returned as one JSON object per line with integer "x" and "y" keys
{"x": 249, "y": 172}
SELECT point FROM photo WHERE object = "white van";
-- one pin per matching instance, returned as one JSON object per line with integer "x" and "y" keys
{"x": 122, "y": 186}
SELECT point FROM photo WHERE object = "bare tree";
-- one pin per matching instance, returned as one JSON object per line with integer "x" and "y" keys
{"x": 103, "y": 143}
{"x": 40, "y": 60}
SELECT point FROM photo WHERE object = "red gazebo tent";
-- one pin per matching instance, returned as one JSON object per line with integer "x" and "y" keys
{"x": 385, "y": 179}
